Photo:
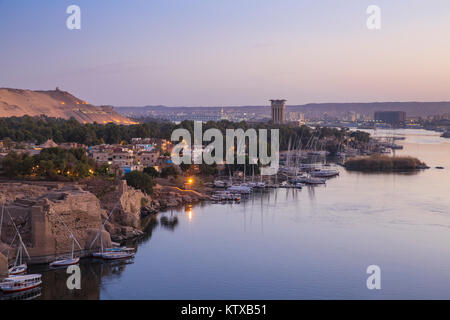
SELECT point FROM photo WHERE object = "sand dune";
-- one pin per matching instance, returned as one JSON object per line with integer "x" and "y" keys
{"x": 55, "y": 103}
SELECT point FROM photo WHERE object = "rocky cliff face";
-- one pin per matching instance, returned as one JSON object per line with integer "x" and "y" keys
{"x": 3, "y": 265}
{"x": 126, "y": 202}
{"x": 55, "y": 103}
{"x": 40, "y": 222}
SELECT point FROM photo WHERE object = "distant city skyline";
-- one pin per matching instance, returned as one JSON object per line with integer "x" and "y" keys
{"x": 228, "y": 53}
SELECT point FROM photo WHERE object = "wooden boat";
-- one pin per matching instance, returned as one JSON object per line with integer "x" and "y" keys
{"x": 67, "y": 261}
{"x": 19, "y": 269}
{"x": 110, "y": 253}
{"x": 21, "y": 283}
{"x": 117, "y": 255}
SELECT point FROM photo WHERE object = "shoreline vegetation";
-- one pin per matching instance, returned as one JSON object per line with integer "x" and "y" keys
{"x": 384, "y": 163}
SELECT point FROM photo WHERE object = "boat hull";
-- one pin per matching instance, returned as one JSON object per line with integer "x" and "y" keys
{"x": 18, "y": 270}
{"x": 117, "y": 256}
{"x": 64, "y": 263}
{"x": 12, "y": 290}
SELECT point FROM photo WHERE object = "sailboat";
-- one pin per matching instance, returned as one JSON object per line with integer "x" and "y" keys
{"x": 67, "y": 261}
{"x": 111, "y": 254}
{"x": 19, "y": 267}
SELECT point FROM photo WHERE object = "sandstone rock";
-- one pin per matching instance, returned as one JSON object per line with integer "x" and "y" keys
{"x": 40, "y": 219}
{"x": 3, "y": 248}
{"x": 112, "y": 228}
{"x": 129, "y": 232}
{"x": 124, "y": 218}
{"x": 3, "y": 265}
{"x": 105, "y": 237}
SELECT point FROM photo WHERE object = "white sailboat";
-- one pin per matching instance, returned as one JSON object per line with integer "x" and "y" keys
{"x": 19, "y": 266}
{"x": 67, "y": 261}
{"x": 111, "y": 254}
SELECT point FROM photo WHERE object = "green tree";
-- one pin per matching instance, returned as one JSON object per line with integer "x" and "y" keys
{"x": 151, "y": 171}
{"x": 140, "y": 180}
{"x": 169, "y": 171}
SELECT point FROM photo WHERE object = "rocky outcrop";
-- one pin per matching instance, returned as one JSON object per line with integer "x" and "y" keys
{"x": 127, "y": 203}
{"x": 94, "y": 241}
{"x": 169, "y": 197}
{"x": 41, "y": 222}
{"x": 3, "y": 265}
{"x": 12, "y": 191}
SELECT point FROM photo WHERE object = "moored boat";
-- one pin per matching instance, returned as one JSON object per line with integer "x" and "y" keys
{"x": 18, "y": 269}
{"x": 325, "y": 173}
{"x": 21, "y": 283}
{"x": 117, "y": 255}
{"x": 65, "y": 262}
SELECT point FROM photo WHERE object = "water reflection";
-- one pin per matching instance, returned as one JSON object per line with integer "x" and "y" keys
{"x": 313, "y": 243}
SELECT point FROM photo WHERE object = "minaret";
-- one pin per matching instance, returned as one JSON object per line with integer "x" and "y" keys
{"x": 278, "y": 111}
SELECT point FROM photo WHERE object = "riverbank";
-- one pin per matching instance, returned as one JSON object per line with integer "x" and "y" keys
{"x": 36, "y": 208}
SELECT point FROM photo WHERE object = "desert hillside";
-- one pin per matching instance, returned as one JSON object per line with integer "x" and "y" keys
{"x": 55, "y": 103}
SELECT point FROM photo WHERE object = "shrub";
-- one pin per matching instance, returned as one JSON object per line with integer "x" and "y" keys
{"x": 140, "y": 180}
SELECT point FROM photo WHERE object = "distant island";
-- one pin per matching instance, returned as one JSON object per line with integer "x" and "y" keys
{"x": 384, "y": 163}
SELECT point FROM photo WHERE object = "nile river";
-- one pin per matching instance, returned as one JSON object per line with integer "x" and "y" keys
{"x": 314, "y": 243}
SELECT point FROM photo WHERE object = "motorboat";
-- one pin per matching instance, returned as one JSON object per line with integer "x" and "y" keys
{"x": 240, "y": 189}
{"x": 21, "y": 283}
{"x": 220, "y": 184}
{"x": 325, "y": 173}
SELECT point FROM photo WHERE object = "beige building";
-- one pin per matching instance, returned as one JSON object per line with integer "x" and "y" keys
{"x": 278, "y": 111}
{"x": 149, "y": 159}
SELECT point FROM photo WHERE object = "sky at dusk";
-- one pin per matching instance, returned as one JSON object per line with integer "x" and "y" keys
{"x": 228, "y": 52}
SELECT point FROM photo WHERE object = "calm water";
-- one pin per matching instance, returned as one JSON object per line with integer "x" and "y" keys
{"x": 314, "y": 243}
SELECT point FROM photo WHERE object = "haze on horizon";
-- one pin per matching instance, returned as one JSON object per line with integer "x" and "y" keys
{"x": 217, "y": 52}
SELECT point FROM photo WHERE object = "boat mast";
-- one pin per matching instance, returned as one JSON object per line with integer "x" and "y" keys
{"x": 1, "y": 220}
{"x": 74, "y": 240}
{"x": 22, "y": 245}
{"x": 102, "y": 226}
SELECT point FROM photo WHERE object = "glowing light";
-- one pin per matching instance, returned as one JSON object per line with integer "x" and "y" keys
{"x": 190, "y": 214}
{"x": 190, "y": 180}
